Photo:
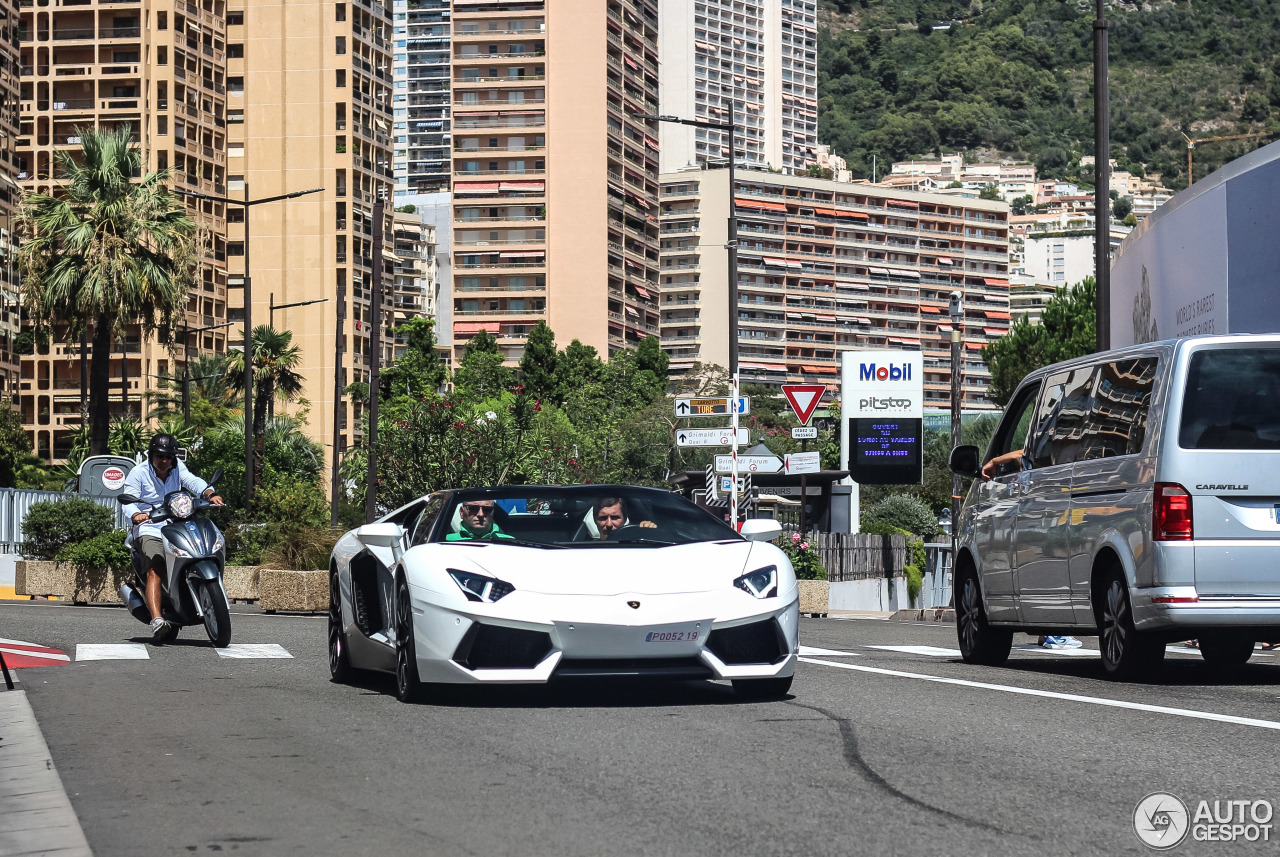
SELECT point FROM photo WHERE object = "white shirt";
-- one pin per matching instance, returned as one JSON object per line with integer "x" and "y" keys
{"x": 144, "y": 483}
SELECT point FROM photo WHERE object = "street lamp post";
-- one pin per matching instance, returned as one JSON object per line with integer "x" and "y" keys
{"x": 1102, "y": 178}
{"x": 272, "y": 306}
{"x": 731, "y": 245}
{"x": 246, "y": 204}
{"x": 186, "y": 367}
{"x": 956, "y": 309}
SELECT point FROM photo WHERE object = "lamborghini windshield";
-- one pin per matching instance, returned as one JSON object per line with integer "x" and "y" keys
{"x": 588, "y": 516}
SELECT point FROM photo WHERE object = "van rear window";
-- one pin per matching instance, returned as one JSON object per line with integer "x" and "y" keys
{"x": 1232, "y": 400}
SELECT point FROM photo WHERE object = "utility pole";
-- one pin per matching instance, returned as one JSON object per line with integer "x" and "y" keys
{"x": 375, "y": 358}
{"x": 957, "y": 393}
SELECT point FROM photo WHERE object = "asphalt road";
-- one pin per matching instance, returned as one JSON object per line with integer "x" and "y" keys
{"x": 189, "y": 753}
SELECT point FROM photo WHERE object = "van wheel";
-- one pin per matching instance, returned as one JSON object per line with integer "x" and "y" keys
{"x": 979, "y": 642}
{"x": 1127, "y": 653}
{"x": 1224, "y": 651}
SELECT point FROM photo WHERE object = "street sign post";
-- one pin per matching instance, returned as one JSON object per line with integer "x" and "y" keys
{"x": 804, "y": 399}
{"x": 804, "y": 433}
{"x": 715, "y": 406}
{"x": 803, "y": 462}
{"x": 711, "y": 437}
{"x": 749, "y": 463}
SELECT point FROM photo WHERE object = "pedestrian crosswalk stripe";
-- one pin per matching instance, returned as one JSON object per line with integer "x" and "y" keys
{"x": 111, "y": 652}
{"x": 254, "y": 650}
{"x": 1071, "y": 653}
{"x": 810, "y": 650}
{"x": 932, "y": 651}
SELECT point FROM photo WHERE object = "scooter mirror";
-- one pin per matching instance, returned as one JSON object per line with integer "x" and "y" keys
{"x": 213, "y": 480}
{"x": 126, "y": 499}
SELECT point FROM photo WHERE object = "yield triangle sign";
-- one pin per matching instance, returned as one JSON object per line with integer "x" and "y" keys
{"x": 804, "y": 399}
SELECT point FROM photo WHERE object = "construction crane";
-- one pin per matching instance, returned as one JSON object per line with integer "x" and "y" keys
{"x": 1191, "y": 145}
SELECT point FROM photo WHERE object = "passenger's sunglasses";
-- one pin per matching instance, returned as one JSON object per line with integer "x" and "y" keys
{"x": 477, "y": 510}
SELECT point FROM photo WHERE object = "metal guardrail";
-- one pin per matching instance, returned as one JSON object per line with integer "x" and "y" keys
{"x": 16, "y": 502}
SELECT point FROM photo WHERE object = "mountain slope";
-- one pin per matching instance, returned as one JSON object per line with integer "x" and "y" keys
{"x": 1015, "y": 78}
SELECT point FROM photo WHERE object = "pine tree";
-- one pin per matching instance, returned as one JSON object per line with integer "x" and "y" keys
{"x": 538, "y": 365}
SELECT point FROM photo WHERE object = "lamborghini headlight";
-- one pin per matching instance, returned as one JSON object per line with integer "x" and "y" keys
{"x": 762, "y": 583}
{"x": 180, "y": 505}
{"x": 477, "y": 587}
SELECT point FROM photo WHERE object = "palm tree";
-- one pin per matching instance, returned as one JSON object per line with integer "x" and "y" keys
{"x": 275, "y": 358}
{"x": 108, "y": 249}
{"x": 209, "y": 382}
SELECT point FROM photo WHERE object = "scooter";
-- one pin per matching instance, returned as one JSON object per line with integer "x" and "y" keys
{"x": 192, "y": 592}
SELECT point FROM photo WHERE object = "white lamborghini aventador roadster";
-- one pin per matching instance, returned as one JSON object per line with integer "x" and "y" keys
{"x": 526, "y": 584}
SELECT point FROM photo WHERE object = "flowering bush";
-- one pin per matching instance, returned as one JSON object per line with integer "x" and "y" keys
{"x": 803, "y": 556}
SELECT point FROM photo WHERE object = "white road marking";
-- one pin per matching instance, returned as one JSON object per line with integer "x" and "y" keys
{"x": 27, "y": 653}
{"x": 1071, "y": 653}
{"x": 932, "y": 651}
{"x": 1067, "y": 697}
{"x": 809, "y": 650}
{"x": 254, "y": 650}
{"x": 112, "y": 652}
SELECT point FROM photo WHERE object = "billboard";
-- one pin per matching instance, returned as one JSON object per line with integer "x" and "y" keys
{"x": 1204, "y": 262}
{"x": 882, "y": 416}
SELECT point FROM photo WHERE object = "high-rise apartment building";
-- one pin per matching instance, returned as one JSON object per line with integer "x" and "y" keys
{"x": 752, "y": 61}
{"x": 420, "y": 101}
{"x": 309, "y": 106}
{"x": 825, "y": 267}
{"x": 10, "y": 196}
{"x": 159, "y": 67}
{"x": 416, "y": 286}
{"x": 554, "y": 181}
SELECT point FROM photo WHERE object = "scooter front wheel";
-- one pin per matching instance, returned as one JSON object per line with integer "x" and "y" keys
{"x": 217, "y": 615}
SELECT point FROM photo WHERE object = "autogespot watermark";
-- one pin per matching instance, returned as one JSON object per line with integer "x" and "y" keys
{"x": 1163, "y": 821}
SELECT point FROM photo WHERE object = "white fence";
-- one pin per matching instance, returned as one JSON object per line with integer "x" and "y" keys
{"x": 882, "y": 593}
{"x": 16, "y": 502}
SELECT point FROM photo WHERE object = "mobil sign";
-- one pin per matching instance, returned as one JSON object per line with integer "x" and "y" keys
{"x": 882, "y": 416}
{"x": 882, "y": 383}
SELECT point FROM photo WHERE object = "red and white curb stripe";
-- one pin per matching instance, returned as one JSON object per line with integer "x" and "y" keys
{"x": 19, "y": 654}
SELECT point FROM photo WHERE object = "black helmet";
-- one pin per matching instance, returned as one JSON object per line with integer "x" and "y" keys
{"x": 163, "y": 444}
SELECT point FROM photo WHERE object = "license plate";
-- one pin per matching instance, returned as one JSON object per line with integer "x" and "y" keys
{"x": 671, "y": 637}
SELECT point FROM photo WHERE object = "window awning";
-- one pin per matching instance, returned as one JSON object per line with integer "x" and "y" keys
{"x": 826, "y": 212}
{"x": 523, "y": 186}
{"x": 521, "y": 254}
{"x": 776, "y": 262}
{"x": 475, "y": 326}
{"x": 475, "y": 187}
{"x": 761, "y": 366}
{"x": 924, "y": 308}
{"x": 857, "y": 215}
{"x": 902, "y": 272}
{"x": 642, "y": 292}
{"x": 904, "y": 202}
{"x": 994, "y": 331}
{"x": 995, "y": 314}
{"x": 629, "y": 61}
{"x": 820, "y": 370}
{"x": 945, "y": 327}
{"x": 795, "y": 315}
{"x": 630, "y": 310}
{"x": 863, "y": 320}
{"x": 862, "y": 287}
{"x": 760, "y": 204}
{"x": 677, "y": 366}
{"x": 826, "y": 318}
{"x": 881, "y": 271}
{"x": 973, "y": 346}
{"x": 904, "y": 340}
{"x": 945, "y": 260}
{"x": 995, "y": 281}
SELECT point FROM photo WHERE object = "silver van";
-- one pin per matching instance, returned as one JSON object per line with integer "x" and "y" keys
{"x": 1133, "y": 494}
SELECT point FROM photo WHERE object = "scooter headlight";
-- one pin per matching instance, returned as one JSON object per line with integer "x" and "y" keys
{"x": 218, "y": 544}
{"x": 180, "y": 505}
{"x": 177, "y": 551}
{"x": 762, "y": 583}
{"x": 477, "y": 587}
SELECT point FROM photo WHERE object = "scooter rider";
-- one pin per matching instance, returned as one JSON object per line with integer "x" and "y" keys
{"x": 161, "y": 474}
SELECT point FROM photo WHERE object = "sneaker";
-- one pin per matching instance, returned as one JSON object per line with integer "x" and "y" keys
{"x": 159, "y": 629}
{"x": 1056, "y": 643}
{"x": 1071, "y": 643}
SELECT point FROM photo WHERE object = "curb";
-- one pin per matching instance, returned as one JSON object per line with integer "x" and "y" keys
{"x": 933, "y": 614}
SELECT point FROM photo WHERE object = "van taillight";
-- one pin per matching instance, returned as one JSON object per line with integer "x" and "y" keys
{"x": 1171, "y": 513}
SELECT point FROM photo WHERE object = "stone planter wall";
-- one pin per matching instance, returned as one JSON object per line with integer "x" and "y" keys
{"x": 273, "y": 589}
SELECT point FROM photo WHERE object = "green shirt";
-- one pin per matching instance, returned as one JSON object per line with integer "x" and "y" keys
{"x": 465, "y": 535}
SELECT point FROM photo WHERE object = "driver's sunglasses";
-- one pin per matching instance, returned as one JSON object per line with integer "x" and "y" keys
{"x": 472, "y": 509}
{"x": 163, "y": 456}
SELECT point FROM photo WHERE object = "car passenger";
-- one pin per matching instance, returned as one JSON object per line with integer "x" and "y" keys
{"x": 476, "y": 522}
